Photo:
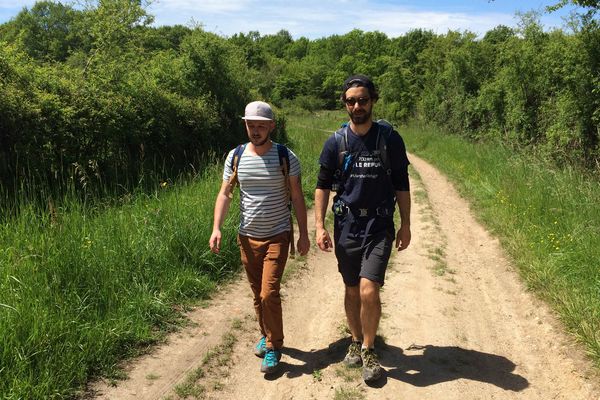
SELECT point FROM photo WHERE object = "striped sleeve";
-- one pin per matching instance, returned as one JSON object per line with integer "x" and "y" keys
{"x": 227, "y": 171}
{"x": 295, "y": 169}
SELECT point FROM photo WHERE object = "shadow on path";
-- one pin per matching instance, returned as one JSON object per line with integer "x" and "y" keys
{"x": 424, "y": 365}
{"x": 313, "y": 360}
{"x": 430, "y": 365}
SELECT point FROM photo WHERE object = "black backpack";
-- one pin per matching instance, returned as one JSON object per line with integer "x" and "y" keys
{"x": 345, "y": 158}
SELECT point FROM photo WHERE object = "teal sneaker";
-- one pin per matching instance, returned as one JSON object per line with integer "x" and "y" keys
{"x": 261, "y": 347}
{"x": 271, "y": 361}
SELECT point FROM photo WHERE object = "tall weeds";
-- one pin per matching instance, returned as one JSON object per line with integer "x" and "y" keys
{"x": 80, "y": 289}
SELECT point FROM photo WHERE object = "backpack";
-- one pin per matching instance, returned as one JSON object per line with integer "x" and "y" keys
{"x": 345, "y": 162}
{"x": 284, "y": 163}
{"x": 345, "y": 158}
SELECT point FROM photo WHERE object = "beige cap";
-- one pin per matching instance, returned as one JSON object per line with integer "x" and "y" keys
{"x": 258, "y": 110}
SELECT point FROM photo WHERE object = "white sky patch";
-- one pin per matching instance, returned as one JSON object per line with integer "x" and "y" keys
{"x": 397, "y": 23}
{"x": 318, "y": 18}
{"x": 11, "y": 4}
{"x": 206, "y": 7}
{"x": 314, "y": 19}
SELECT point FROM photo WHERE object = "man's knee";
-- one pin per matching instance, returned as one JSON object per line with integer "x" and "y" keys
{"x": 353, "y": 293}
{"x": 270, "y": 296}
{"x": 369, "y": 291}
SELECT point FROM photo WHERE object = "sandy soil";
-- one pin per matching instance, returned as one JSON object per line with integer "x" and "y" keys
{"x": 457, "y": 324}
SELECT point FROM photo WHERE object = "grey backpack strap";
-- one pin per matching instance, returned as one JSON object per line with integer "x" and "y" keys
{"x": 284, "y": 163}
{"x": 343, "y": 161}
{"x": 384, "y": 132}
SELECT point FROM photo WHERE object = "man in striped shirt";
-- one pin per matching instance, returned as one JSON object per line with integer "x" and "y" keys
{"x": 264, "y": 231}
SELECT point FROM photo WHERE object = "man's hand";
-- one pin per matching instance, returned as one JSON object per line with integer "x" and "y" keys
{"x": 324, "y": 240}
{"x": 303, "y": 245}
{"x": 215, "y": 241}
{"x": 403, "y": 237}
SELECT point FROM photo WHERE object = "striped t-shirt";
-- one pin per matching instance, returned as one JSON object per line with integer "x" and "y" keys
{"x": 264, "y": 203}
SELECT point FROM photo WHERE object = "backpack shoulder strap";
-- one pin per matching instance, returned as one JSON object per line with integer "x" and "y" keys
{"x": 284, "y": 159}
{"x": 384, "y": 132}
{"x": 343, "y": 160}
{"x": 284, "y": 162}
{"x": 235, "y": 163}
{"x": 341, "y": 141}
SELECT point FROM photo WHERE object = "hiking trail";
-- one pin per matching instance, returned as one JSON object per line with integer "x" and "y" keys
{"x": 457, "y": 323}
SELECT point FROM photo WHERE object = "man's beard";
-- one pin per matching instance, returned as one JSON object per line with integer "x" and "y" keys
{"x": 256, "y": 143}
{"x": 360, "y": 119}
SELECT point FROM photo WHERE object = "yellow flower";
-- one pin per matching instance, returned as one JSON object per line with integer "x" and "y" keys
{"x": 87, "y": 243}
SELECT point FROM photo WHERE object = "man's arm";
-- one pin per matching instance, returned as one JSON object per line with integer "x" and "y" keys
{"x": 221, "y": 208}
{"x": 300, "y": 209}
{"x": 321, "y": 202}
{"x": 403, "y": 236}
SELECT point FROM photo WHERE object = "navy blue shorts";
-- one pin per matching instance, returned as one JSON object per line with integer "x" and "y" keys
{"x": 370, "y": 261}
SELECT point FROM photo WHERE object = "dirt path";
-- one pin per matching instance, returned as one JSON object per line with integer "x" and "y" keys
{"x": 457, "y": 324}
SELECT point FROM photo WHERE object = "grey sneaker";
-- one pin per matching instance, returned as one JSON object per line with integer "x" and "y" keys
{"x": 371, "y": 367}
{"x": 353, "y": 358}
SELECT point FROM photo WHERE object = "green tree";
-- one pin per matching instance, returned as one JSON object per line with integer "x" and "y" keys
{"x": 216, "y": 72}
{"x": 48, "y": 31}
{"x": 277, "y": 44}
{"x": 298, "y": 49}
{"x": 452, "y": 78}
{"x": 498, "y": 35}
{"x": 111, "y": 25}
{"x": 163, "y": 37}
{"x": 398, "y": 92}
{"x": 594, "y": 4}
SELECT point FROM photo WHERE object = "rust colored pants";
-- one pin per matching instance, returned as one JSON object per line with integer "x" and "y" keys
{"x": 264, "y": 261}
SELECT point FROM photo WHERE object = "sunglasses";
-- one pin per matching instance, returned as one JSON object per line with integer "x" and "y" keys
{"x": 362, "y": 101}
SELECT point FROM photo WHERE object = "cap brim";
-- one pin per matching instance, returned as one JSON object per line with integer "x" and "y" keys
{"x": 257, "y": 119}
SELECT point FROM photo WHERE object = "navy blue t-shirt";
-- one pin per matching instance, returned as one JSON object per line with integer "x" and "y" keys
{"x": 367, "y": 184}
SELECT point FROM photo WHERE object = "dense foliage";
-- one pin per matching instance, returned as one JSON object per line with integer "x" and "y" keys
{"x": 97, "y": 96}
{"x": 92, "y": 99}
{"x": 526, "y": 87}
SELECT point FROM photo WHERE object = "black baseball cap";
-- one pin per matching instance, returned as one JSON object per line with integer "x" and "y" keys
{"x": 359, "y": 80}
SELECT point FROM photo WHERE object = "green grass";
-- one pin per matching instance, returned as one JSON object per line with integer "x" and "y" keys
{"x": 547, "y": 219}
{"x": 347, "y": 374}
{"x": 348, "y": 393}
{"x": 317, "y": 375}
{"x": 214, "y": 367}
{"x": 81, "y": 289}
